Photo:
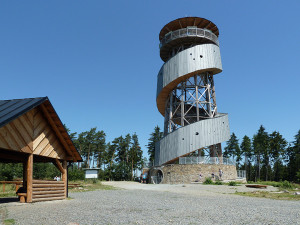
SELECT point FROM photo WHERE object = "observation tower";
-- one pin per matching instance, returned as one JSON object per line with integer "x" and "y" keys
{"x": 186, "y": 95}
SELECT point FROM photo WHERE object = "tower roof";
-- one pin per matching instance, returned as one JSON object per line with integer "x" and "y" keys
{"x": 188, "y": 21}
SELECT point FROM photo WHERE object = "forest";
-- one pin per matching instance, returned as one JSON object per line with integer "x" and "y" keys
{"x": 265, "y": 157}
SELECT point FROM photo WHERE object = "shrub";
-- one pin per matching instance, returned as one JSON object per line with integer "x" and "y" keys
{"x": 75, "y": 174}
{"x": 232, "y": 183}
{"x": 208, "y": 181}
{"x": 218, "y": 182}
{"x": 287, "y": 185}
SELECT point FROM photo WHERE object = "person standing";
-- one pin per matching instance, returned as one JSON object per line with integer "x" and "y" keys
{"x": 220, "y": 173}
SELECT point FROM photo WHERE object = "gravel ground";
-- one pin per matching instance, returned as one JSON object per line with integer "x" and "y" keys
{"x": 157, "y": 204}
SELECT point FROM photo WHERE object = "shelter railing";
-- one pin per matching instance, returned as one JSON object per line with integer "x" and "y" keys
{"x": 206, "y": 160}
{"x": 189, "y": 32}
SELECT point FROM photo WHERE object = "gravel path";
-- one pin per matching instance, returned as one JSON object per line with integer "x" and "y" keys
{"x": 158, "y": 204}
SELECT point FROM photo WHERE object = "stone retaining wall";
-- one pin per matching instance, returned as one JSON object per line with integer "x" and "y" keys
{"x": 177, "y": 173}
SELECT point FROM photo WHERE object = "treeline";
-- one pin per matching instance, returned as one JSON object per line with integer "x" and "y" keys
{"x": 116, "y": 160}
{"x": 267, "y": 157}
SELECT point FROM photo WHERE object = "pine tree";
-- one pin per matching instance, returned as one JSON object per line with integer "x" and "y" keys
{"x": 233, "y": 149}
{"x": 293, "y": 153}
{"x": 261, "y": 150}
{"x": 277, "y": 151}
{"x": 135, "y": 155}
{"x": 154, "y": 137}
{"x": 246, "y": 150}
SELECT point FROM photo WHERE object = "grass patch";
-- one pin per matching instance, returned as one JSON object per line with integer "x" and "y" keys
{"x": 9, "y": 222}
{"x": 232, "y": 183}
{"x": 10, "y": 191}
{"x": 271, "y": 195}
{"x": 283, "y": 185}
{"x": 218, "y": 182}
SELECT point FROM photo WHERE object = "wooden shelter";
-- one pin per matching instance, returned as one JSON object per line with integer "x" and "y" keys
{"x": 31, "y": 131}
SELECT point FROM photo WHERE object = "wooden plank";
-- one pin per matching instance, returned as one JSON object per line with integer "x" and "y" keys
{"x": 48, "y": 192}
{"x": 53, "y": 154}
{"x": 47, "y": 185}
{"x": 61, "y": 194}
{"x": 3, "y": 143}
{"x": 47, "y": 182}
{"x": 38, "y": 138}
{"x": 22, "y": 130}
{"x": 48, "y": 189}
{"x": 9, "y": 139}
{"x": 18, "y": 137}
{"x": 55, "y": 145}
{"x": 39, "y": 126}
{"x": 29, "y": 168}
{"x": 47, "y": 199}
{"x": 58, "y": 133}
{"x": 27, "y": 125}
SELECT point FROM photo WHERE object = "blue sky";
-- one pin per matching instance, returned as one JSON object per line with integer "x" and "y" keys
{"x": 97, "y": 61}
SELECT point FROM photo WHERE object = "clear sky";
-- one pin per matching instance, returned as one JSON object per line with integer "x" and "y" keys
{"x": 97, "y": 61}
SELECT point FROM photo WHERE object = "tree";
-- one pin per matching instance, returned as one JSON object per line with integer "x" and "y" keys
{"x": 110, "y": 155}
{"x": 154, "y": 137}
{"x": 246, "y": 150}
{"x": 99, "y": 147}
{"x": 277, "y": 151}
{"x": 293, "y": 153}
{"x": 135, "y": 155}
{"x": 261, "y": 150}
{"x": 233, "y": 149}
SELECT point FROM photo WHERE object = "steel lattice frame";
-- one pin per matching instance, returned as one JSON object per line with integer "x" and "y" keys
{"x": 192, "y": 100}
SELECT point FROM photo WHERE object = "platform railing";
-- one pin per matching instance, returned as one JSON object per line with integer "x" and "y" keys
{"x": 206, "y": 160}
{"x": 189, "y": 32}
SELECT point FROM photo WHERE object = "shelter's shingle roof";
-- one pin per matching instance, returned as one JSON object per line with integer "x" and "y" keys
{"x": 12, "y": 109}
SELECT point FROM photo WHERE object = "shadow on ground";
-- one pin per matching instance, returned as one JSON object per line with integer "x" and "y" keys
{"x": 8, "y": 200}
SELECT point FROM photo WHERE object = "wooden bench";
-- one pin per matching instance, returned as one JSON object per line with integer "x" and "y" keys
{"x": 22, "y": 197}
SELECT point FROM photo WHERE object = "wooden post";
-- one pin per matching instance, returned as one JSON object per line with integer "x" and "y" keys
{"x": 29, "y": 170}
{"x": 64, "y": 176}
{"x": 24, "y": 174}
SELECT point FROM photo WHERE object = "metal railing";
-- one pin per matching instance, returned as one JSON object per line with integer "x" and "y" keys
{"x": 189, "y": 32}
{"x": 206, "y": 160}
{"x": 241, "y": 174}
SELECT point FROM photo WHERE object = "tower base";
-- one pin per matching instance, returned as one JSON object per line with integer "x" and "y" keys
{"x": 189, "y": 173}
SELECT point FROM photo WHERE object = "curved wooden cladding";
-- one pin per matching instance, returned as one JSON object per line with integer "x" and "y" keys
{"x": 189, "y": 62}
{"x": 31, "y": 133}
